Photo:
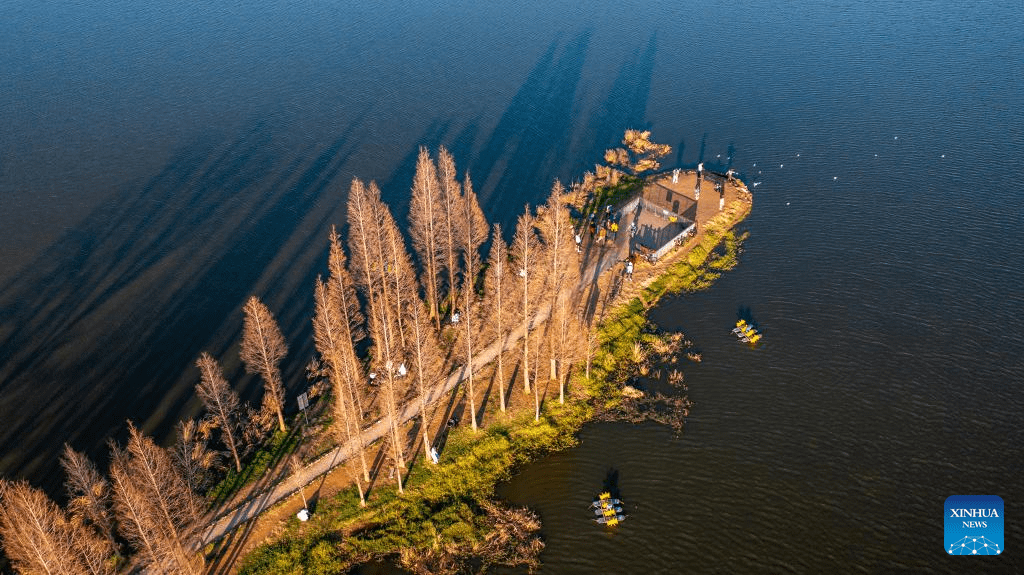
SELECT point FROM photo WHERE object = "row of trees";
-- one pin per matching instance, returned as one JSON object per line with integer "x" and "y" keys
{"x": 150, "y": 499}
{"x": 425, "y": 321}
{"x": 449, "y": 311}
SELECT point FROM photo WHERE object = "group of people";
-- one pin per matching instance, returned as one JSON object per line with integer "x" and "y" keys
{"x": 607, "y": 227}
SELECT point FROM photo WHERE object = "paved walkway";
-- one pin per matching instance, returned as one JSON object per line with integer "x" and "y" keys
{"x": 260, "y": 502}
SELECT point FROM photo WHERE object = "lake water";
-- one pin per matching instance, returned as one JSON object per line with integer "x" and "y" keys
{"x": 160, "y": 162}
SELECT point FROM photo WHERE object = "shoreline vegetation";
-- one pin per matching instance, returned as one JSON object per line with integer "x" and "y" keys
{"x": 410, "y": 347}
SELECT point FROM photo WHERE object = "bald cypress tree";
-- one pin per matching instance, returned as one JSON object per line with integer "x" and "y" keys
{"x": 88, "y": 493}
{"x": 222, "y": 404}
{"x": 383, "y": 273}
{"x": 425, "y": 226}
{"x": 427, "y": 364}
{"x": 191, "y": 454}
{"x": 497, "y": 283}
{"x": 157, "y": 512}
{"x": 350, "y": 320}
{"x": 525, "y": 252}
{"x": 40, "y": 537}
{"x": 562, "y": 279}
{"x": 263, "y": 348}
{"x": 451, "y": 212}
{"x": 331, "y": 343}
{"x": 472, "y": 233}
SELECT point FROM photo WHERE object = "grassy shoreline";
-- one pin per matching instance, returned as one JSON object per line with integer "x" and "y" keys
{"x": 448, "y": 516}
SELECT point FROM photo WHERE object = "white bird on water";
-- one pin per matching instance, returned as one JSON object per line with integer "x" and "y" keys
{"x": 780, "y": 165}
{"x": 798, "y": 155}
{"x": 895, "y": 137}
{"x": 834, "y": 178}
{"x": 787, "y": 203}
{"x": 756, "y": 184}
{"x": 943, "y": 155}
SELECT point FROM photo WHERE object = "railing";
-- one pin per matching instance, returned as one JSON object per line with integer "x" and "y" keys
{"x": 673, "y": 242}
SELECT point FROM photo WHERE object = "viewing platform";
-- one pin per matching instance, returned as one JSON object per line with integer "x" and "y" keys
{"x": 669, "y": 208}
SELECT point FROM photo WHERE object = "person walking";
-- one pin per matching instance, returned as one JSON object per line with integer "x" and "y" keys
{"x": 629, "y": 270}
{"x": 615, "y": 231}
{"x": 579, "y": 242}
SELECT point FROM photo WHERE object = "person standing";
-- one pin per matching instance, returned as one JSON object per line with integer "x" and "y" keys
{"x": 579, "y": 242}
{"x": 615, "y": 231}
{"x": 629, "y": 270}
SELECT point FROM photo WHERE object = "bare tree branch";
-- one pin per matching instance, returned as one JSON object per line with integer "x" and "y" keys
{"x": 472, "y": 234}
{"x": 221, "y": 402}
{"x": 525, "y": 252}
{"x": 88, "y": 493}
{"x": 497, "y": 284}
{"x": 157, "y": 511}
{"x": 263, "y": 348}
{"x": 425, "y": 225}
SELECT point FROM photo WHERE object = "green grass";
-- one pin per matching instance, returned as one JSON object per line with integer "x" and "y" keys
{"x": 266, "y": 457}
{"x": 441, "y": 503}
{"x": 611, "y": 195}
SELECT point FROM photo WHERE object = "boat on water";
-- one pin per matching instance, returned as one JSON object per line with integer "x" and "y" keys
{"x": 608, "y": 509}
{"x": 746, "y": 332}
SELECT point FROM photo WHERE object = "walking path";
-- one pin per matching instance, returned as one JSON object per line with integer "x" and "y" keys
{"x": 226, "y": 522}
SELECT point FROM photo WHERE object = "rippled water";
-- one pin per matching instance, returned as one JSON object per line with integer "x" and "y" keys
{"x": 160, "y": 162}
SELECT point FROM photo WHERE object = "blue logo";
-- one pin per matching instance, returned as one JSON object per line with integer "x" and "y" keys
{"x": 974, "y": 525}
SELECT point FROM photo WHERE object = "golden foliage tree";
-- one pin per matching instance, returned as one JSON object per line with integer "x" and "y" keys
{"x": 88, "y": 493}
{"x": 383, "y": 272}
{"x": 562, "y": 271}
{"x": 191, "y": 454}
{"x": 451, "y": 219}
{"x": 640, "y": 153}
{"x": 497, "y": 284}
{"x": 525, "y": 252}
{"x": 334, "y": 347}
{"x": 156, "y": 511}
{"x": 39, "y": 537}
{"x": 222, "y": 404}
{"x": 263, "y": 348}
{"x": 473, "y": 234}
{"x": 427, "y": 363}
{"x": 425, "y": 225}
{"x": 349, "y": 319}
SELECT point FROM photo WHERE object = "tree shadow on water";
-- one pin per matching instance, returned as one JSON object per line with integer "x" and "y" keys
{"x": 519, "y": 159}
{"x": 105, "y": 324}
{"x": 611, "y": 483}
